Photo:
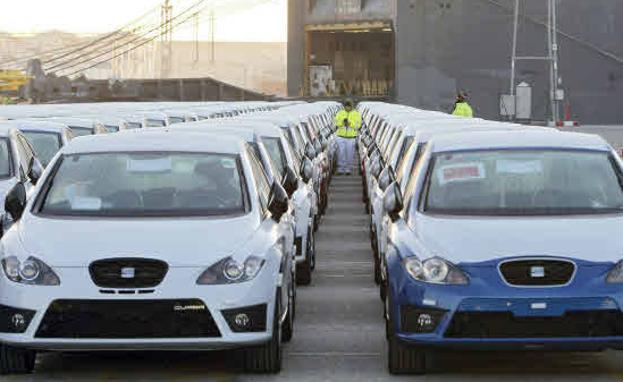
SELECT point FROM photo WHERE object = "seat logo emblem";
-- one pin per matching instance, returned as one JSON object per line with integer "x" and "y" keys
{"x": 537, "y": 272}
{"x": 128, "y": 273}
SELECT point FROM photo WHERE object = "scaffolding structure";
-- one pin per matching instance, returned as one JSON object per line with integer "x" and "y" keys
{"x": 556, "y": 94}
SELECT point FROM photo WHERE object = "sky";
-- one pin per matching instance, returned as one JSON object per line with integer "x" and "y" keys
{"x": 265, "y": 22}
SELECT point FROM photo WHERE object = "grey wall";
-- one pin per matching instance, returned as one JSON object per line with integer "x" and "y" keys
{"x": 449, "y": 45}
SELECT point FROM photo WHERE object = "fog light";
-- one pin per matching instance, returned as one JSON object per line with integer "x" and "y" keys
{"x": 415, "y": 319}
{"x": 14, "y": 320}
{"x": 242, "y": 320}
{"x": 425, "y": 321}
{"x": 249, "y": 319}
{"x": 18, "y": 321}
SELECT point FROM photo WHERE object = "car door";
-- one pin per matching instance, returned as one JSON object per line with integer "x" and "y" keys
{"x": 284, "y": 229}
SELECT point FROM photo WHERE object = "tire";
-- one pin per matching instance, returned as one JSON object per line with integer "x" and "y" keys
{"x": 287, "y": 327}
{"x": 311, "y": 248}
{"x": 377, "y": 270}
{"x": 401, "y": 357}
{"x": 16, "y": 361}
{"x": 304, "y": 272}
{"x": 267, "y": 358}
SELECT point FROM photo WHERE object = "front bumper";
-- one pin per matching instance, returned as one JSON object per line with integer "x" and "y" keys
{"x": 489, "y": 314}
{"x": 187, "y": 317}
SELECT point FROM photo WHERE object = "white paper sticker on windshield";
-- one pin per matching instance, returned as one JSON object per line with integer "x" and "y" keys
{"x": 228, "y": 163}
{"x": 84, "y": 203}
{"x": 519, "y": 167}
{"x": 149, "y": 165}
{"x": 462, "y": 172}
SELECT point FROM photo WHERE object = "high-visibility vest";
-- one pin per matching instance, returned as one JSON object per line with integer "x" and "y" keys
{"x": 462, "y": 109}
{"x": 354, "y": 123}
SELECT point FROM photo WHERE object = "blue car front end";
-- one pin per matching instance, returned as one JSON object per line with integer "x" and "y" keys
{"x": 489, "y": 313}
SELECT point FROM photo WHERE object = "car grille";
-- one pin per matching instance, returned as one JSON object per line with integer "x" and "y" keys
{"x": 109, "y": 319}
{"x": 591, "y": 323}
{"x": 128, "y": 273}
{"x": 536, "y": 272}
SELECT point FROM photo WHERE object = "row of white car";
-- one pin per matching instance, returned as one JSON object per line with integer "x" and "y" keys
{"x": 184, "y": 237}
{"x": 490, "y": 235}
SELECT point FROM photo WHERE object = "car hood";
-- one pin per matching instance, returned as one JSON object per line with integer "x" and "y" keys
{"x": 179, "y": 242}
{"x": 469, "y": 240}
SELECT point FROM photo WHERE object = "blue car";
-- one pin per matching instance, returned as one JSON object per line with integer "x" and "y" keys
{"x": 505, "y": 240}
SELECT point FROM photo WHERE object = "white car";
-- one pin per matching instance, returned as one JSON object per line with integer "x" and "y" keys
{"x": 177, "y": 244}
{"x": 47, "y": 138}
{"x": 81, "y": 126}
{"x": 18, "y": 165}
{"x": 288, "y": 163}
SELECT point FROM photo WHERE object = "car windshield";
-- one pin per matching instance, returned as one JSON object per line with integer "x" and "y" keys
{"x": 112, "y": 128}
{"x": 506, "y": 182}
{"x": 156, "y": 123}
{"x": 145, "y": 184}
{"x": 46, "y": 145}
{"x": 5, "y": 159}
{"x": 80, "y": 131}
{"x": 176, "y": 120}
{"x": 134, "y": 125}
{"x": 273, "y": 146}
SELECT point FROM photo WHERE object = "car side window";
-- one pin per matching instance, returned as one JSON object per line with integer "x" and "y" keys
{"x": 260, "y": 178}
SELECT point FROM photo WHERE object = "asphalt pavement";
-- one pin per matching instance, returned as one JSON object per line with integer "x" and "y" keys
{"x": 339, "y": 333}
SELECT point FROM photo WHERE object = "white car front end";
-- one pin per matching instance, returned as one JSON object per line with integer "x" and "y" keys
{"x": 178, "y": 313}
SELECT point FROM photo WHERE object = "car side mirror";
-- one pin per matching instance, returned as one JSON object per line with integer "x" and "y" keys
{"x": 376, "y": 166}
{"x": 15, "y": 202}
{"x": 392, "y": 201}
{"x": 317, "y": 146}
{"x": 278, "y": 201}
{"x": 386, "y": 177}
{"x": 35, "y": 170}
{"x": 310, "y": 151}
{"x": 324, "y": 143}
{"x": 290, "y": 182}
{"x": 307, "y": 170}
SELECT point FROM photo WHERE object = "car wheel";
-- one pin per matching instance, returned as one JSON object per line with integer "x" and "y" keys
{"x": 304, "y": 272}
{"x": 287, "y": 328}
{"x": 401, "y": 357}
{"x": 311, "y": 248}
{"x": 266, "y": 358}
{"x": 16, "y": 361}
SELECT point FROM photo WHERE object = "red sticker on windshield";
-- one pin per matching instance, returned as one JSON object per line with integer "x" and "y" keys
{"x": 462, "y": 172}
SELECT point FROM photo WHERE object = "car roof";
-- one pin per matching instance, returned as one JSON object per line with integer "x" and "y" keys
{"x": 5, "y": 129}
{"x": 517, "y": 139}
{"x": 166, "y": 140}
{"x": 43, "y": 126}
{"x": 79, "y": 122}
{"x": 232, "y": 129}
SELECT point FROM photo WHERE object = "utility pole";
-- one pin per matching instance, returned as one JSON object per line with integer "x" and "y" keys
{"x": 166, "y": 38}
{"x": 212, "y": 37}
{"x": 196, "y": 38}
{"x": 551, "y": 58}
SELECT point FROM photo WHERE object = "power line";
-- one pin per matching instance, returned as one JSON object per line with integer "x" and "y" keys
{"x": 130, "y": 49}
{"x": 73, "y": 63}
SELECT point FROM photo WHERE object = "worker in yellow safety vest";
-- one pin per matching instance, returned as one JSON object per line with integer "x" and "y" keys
{"x": 348, "y": 123}
{"x": 462, "y": 108}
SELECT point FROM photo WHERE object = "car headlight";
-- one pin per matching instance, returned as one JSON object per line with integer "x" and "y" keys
{"x": 230, "y": 271}
{"x": 31, "y": 271}
{"x": 615, "y": 276}
{"x": 436, "y": 271}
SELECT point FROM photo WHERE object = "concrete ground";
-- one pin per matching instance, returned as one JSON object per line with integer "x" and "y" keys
{"x": 339, "y": 333}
